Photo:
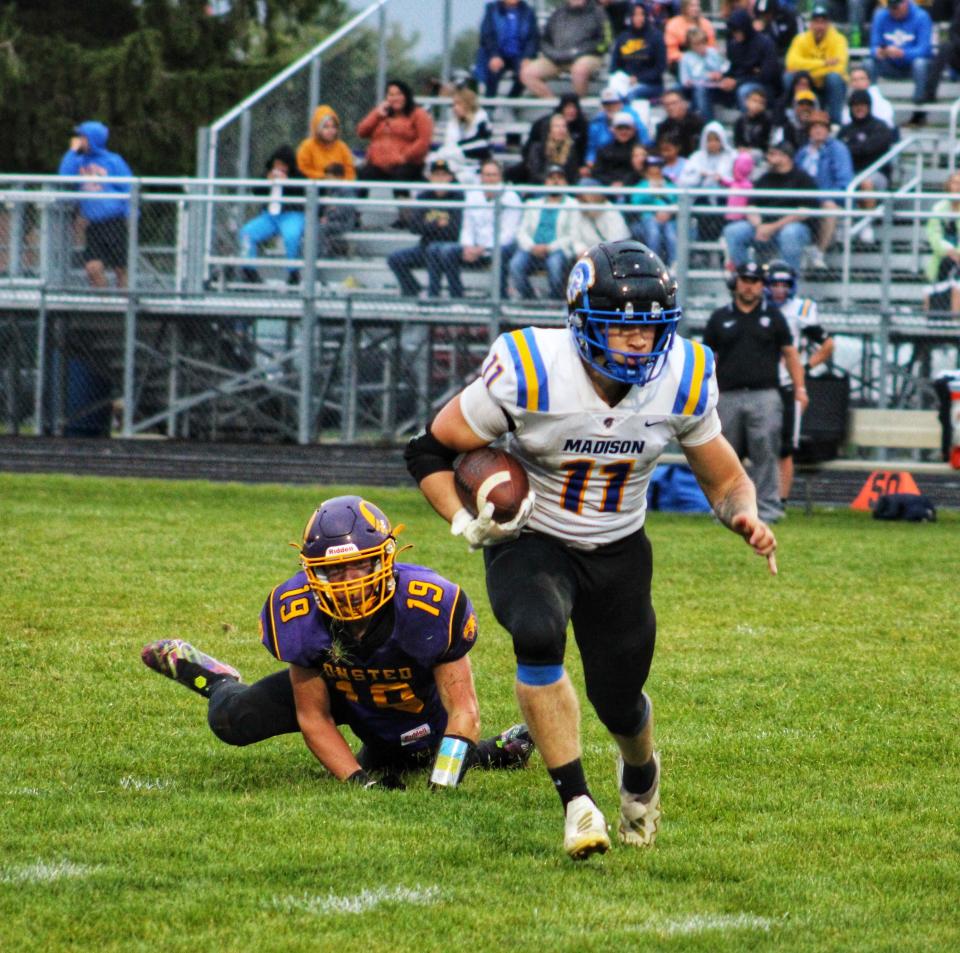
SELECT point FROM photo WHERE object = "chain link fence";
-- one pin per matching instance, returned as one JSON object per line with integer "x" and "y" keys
{"x": 373, "y": 334}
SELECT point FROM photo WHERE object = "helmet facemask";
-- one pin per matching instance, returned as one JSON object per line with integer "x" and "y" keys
{"x": 344, "y": 592}
{"x": 622, "y": 285}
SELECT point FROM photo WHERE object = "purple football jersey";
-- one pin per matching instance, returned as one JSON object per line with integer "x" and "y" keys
{"x": 388, "y": 697}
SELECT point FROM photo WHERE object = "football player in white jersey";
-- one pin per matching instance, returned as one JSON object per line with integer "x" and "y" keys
{"x": 811, "y": 341}
{"x": 589, "y": 409}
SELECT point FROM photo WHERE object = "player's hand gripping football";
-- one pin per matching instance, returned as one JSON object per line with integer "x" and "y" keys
{"x": 758, "y": 536}
{"x": 482, "y": 530}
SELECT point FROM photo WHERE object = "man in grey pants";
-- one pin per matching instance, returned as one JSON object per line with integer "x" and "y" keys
{"x": 749, "y": 336}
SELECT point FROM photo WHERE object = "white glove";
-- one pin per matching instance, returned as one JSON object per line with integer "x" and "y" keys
{"x": 481, "y": 530}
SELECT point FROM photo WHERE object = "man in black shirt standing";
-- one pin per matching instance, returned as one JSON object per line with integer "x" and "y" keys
{"x": 749, "y": 336}
{"x": 789, "y": 232}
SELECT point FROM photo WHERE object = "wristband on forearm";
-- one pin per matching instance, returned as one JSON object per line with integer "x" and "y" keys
{"x": 452, "y": 761}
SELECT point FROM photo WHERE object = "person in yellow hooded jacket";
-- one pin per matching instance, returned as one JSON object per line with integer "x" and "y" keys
{"x": 823, "y": 52}
{"x": 324, "y": 148}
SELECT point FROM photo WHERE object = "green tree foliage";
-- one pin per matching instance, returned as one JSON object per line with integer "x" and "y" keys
{"x": 153, "y": 71}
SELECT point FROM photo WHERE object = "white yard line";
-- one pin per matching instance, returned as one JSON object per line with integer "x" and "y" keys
{"x": 707, "y": 923}
{"x": 357, "y": 903}
{"x": 44, "y": 872}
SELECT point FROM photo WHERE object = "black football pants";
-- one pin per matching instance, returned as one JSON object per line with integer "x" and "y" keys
{"x": 537, "y": 584}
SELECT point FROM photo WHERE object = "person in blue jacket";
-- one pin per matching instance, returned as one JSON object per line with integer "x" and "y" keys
{"x": 901, "y": 47}
{"x": 107, "y": 210}
{"x": 509, "y": 35}
{"x": 827, "y": 161}
{"x": 640, "y": 53}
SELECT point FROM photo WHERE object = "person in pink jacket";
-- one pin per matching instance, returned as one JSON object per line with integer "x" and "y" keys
{"x": 399, "y": 132}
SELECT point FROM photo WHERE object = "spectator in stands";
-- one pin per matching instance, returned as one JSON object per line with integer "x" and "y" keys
{"x": 753, "y": 62}
{"x": 788, "y": 232}
{"x": 577, "y": 125}
{"x": 477, "y": 235}
{"x": 509, "y": 37}
{"x": 901, "y": 47}
{"x": 676, "y": 30}
{"x": 948, "y": 56}
{"x": 943, "y": 265}
{"x": 600, "y": 131}
{"x": 741, "y": 181}
{"x": 431, "y": 224}
{"x": 638, "y": 166}
{"x": 796, "y": 121}
{"x": 668, "y": 148}
{"x": 706, "y": 169}
{"x": 617, "y": 11}
{"x": 599, "y": 221}
{"x": 278, "y": 216}
{"x": 680, "y": 122}
{"x": 334, "y": 218}
{"x": 753, "y": 129}
{"x": 701, "y": 69}
{"x": 466, "y": 137}
{"x": 822, "y": 52}
{"x": 779, "y": 21}
{"x": 867, "y": 139}
{"x": 575, "y": 38}
{"x": 106, "y": 218}
{"x": 612, "y": 166}
{"x": 400, "y": 132}
{"x": 656, "y": 229}
{"x": 639, "y": 55}
{"x": 324, "y": 147}
{"x": 827, "y": 161}
{"x": 880, "y": 107}
{"x": 557, "y": 149}
{"x": 545, "y": 237}
{"x": 660, "y": 11}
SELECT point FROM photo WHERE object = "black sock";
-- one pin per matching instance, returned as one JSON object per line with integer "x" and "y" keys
{"x": 639, "y": 780}
{"x": 569, "y": 781}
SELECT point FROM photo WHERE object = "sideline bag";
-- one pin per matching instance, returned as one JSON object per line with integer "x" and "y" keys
{"x": 912, "y": 507}
{"x": 674, "y": 488}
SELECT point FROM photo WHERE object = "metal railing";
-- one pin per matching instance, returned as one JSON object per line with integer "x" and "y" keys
{"x": 181, "y": 356}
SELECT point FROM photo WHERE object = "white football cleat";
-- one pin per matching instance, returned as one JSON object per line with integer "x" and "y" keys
{"x": 585, "y": 829}
{"x": 639, "y": 813}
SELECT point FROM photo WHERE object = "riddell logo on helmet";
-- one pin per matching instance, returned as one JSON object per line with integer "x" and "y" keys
{"x": 342, "y": 549}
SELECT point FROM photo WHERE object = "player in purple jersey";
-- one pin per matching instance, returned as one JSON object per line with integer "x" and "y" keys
{"x": 373, "y": 644}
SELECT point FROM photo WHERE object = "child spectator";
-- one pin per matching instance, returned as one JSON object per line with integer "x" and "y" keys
{"x": 277, "y": 216}
{"x": 324, "y": 147}
{"x": 741, "y": 179}
{"x": 677, "y": 29}
{"x": 754, "y": 126}
{"x": 668, "y": 148}
{"x": 701, "y": 68}
{"x": 638, "y": 165}
{"x": 656, "y": 229}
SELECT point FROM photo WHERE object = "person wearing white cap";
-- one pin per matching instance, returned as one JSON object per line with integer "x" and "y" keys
{"x": 613, "y": 166}
{"x": 600, "y": 131}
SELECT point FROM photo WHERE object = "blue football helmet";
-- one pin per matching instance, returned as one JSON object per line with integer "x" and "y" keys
{"x": 619, "y": 284}
{"x": 348, "y": 553}
{"x": 779, "y": 272}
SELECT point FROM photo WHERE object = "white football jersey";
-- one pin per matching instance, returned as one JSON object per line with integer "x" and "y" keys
{"x": 588, "y": 462}
{"x": 801, "y": 313}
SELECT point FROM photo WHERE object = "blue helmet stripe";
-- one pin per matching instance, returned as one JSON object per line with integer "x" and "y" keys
{"x": 543, "y": 388}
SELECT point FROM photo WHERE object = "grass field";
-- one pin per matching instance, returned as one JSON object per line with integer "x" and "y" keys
{"x": 808, "y": 726}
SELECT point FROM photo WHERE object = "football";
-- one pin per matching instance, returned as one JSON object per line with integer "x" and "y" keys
{"x": 491, "y": 475}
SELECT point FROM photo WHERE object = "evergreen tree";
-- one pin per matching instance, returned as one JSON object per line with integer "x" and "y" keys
{"x": 152, "y": 70}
